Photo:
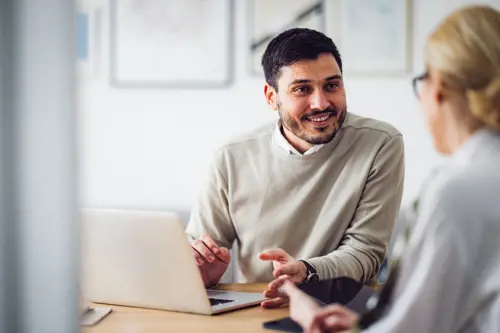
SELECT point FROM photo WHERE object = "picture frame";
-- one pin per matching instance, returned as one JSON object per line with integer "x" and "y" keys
{"x": 374, "y": 38}
{"x": 175, "y": 44}
{"x": 88, "y": 30}
{"x": 83, "y": 36}
{"x": 267, "y": 19}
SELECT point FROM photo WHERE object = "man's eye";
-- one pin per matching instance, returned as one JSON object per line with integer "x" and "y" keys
{"x": 301, "y": 90}
{"x": 332, "y": 86}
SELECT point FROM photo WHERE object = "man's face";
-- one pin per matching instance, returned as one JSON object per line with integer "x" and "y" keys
{"x": 310, "y": 100}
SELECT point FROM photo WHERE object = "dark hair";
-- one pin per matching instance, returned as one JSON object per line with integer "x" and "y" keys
{"x": 293, "y": 45}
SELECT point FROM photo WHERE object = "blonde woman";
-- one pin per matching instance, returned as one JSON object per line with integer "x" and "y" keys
{"x": 449, "y": 276}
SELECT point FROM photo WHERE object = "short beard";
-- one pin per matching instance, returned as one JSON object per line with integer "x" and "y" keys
{"x": 299, "y": 131}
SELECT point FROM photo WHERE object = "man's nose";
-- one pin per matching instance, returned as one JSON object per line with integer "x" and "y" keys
{"x": 319, "y": 101}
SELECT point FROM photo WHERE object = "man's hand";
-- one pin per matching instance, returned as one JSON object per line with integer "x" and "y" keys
{"x": 211, "y": 259}
{"x": 285, "y": 268}
{"x": 314, "y": 319}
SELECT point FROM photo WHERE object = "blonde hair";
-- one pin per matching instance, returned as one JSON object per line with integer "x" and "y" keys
{"x": 465, "y": 49}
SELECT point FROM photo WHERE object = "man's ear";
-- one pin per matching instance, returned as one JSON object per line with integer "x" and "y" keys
{"x": 271, "y": 95}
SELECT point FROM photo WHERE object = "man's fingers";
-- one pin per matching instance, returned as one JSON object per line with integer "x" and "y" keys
{"x": 274, "y": 303}
{"x": 275, "y": 284}
{"x": 274, "y": 254}
{"x": 220, "y": 252}
{"x": 287, "y": 269}
{"x": 197, "y": 257}
{"x": 210, "y": 243}
{"x": 203, "y": 250}
{"x": 224, "y": 255}
{"x": 273, "y": 294}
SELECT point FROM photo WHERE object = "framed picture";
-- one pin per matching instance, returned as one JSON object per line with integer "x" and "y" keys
{"x": 269, "y": 18}
{"x": 374, "y": 36}
{"x": 83, "y": 36}
{"x": 88, "y": 25}
{"x": 171, "y": 44}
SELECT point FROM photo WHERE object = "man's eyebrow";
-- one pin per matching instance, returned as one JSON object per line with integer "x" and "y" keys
{"x": 333, "y": 77}
{"x": 330, "y": 78}
{"x": 300, "y": 81}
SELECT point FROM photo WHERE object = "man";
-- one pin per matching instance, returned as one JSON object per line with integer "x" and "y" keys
{"x": 321, "y": 184}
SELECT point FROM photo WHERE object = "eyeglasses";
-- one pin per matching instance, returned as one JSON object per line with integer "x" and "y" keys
{"x": 417, "y": 83}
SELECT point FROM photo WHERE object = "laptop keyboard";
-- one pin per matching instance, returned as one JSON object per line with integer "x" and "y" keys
{"x": 218, "y": 301}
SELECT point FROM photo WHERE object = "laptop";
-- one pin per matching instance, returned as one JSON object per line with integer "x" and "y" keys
{"x": 143, "y": 259}
{"x": 89, "y": 315}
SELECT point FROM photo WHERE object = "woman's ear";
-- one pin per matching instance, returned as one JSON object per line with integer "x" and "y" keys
{"x": 438, "y": 87}
{"x": 270, "y": 94}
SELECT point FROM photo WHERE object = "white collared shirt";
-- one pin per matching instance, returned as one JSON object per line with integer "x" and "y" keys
{"x": 450, "y": 273}
{"x": 282, "y": 142}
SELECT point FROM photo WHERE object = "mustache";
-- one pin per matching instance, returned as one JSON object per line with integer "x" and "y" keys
{"x": 328, "y": 110}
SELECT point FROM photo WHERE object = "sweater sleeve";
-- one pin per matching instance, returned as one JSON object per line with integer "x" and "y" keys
{"x": 210, "y": 213}
{"x": 364, "y": 244}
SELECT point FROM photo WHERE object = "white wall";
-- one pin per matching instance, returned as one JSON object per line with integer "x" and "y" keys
{"x": 149, "y": 148}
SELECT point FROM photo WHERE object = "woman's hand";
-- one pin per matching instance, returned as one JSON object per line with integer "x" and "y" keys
{"x": 315, "y": 319}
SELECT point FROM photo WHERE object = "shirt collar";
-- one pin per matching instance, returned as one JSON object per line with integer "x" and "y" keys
{"x": 282, "y": 142}
{"x": 479, "y": 141}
